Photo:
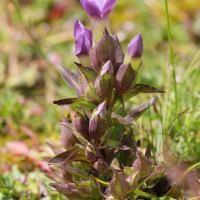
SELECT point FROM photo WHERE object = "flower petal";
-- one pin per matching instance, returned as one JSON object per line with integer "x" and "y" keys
{"x": 135, "y": 47}
{"x": 91, "y": 7}
{"x": 107, "y": 6}
{"x": 83, "y": 38}
{"x": 98, "y": 7}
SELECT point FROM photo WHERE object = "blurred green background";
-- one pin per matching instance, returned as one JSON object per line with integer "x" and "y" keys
{"x": 36, "y": 35}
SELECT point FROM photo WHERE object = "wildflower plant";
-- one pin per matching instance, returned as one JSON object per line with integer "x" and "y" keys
{"x": 101, "y": 132}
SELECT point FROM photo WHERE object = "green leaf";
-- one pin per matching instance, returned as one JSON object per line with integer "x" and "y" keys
{"x": 148, "y": 152}
{"x": 79, "y": 172}
{"x": 73, "y": 154}
{"x": 71, "y": 79}
{"x": 55, "y": 149}
{"x": 90, "y": 74}
{"x": 91, "y": 95}
{"x": 4, "y": 190}
{"x": 114, "y": 119}
{"x": 142, "y": 88}
{"x": 128, "y": 170}
{"x": 84, "y": 189}
{"x": 163, "y": 198}
{"x": 5, "y": 197}
{"x": 115, "y": 144}
{"x": 132, "y": 181}
{"x": 95, "y": 188}
{"x": 144, "y": 194}
{"x": 77, "y": 135}
{"x": 139, "y": 111}
{"x": 76, "y": 101}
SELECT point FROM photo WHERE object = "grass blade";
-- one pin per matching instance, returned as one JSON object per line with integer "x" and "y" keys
{"x": 172, "y": 56}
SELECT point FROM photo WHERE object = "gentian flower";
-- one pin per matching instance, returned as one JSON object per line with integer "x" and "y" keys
{"x": 81, "y": 125}
{"x": 83, "y": 43}
{"x": 84, "y": 190}
{"x": 98, "y": 125}
{"x": 99, "y": 12}
{"x": 135, "y": 51}
{"x": 120, "y": 186}
{"x": 105, "y": 82}
{"x": 126, "y": 78}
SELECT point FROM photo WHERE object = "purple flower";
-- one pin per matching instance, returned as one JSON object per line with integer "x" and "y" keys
{"x": 126, "y": 78}
{"x": 98, "y": 7}
{"x": 98, "y": 125}
{"x": 83, "y": 39}
{"x": 135, "y": 47}
{"x": 135, "y": 51}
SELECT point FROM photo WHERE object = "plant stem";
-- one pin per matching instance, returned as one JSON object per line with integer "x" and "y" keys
{"x": 114, "y": 100}
{"x": 123, "y": 102}
{"x": 109, "y": 99}
{"x": 172, "y": 57}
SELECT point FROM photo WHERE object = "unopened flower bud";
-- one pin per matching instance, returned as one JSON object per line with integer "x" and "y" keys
{"x": 81, "y": 125}
{"x": 121, "y": 187}
{"x": 103, "y": 51}
{"x": 135, "y": 51}
{"x": 99, "y": 12}
{"x": 98, "y": 125}
{"x": 126, "y": 78}
{"x": 92, "y": 152}
{"x": 118, "y": 181}
{"x": 142, "y": 163}
{"x": 119, "y": 54}
{"x": 105, "y": 82}
{"x": 101, "y": 166}
{"x": 83, "y": 43}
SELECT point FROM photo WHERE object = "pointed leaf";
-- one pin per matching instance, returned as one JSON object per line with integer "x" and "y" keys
{"x": 118, "y": 185}
{"x": 128, "y": 157}
{"x": 71, "y": 79}
{"x": 84, "y": 189}
{"x": 144, "y": 194}
{"x": 78, "y": 172}
{"x": 128, "y": 170}
{"x": 132, "y": 181}
{"x": 67, "y": 138}
{"x": 101, "y": 166}
{"x": 114, "y": 119}
{"x": 119, "y": 54}
{"x": 55, "y": 149}
{"x": 71, "y": 155}
{"x": 78, "y": 155}
{"x": 95, "y": 188}
{"x": 116, "y": 144}
{"x": 82, "y": 81}
{"x": 55, "y": 176}
{"x": 91, "y": 95}
{"x": 148, "y": 152}
{"x": 71, "y": 128}
{"x": 89, "y": 74}
{"x": 60, "y": 158}
{"x": 166, "y": 198}
{"x": 142, "y": 88}
{"x": 151, "y": 176}
{"x": 143, "y": 164}
{"x": 79, "y": 101}
{"x": 68, "y": 190}
{"x": 139, "y": 111}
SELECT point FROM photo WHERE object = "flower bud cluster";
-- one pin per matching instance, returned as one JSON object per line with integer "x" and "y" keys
{"x": 99, "y": 128}
{"x": 107, "y": 75}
